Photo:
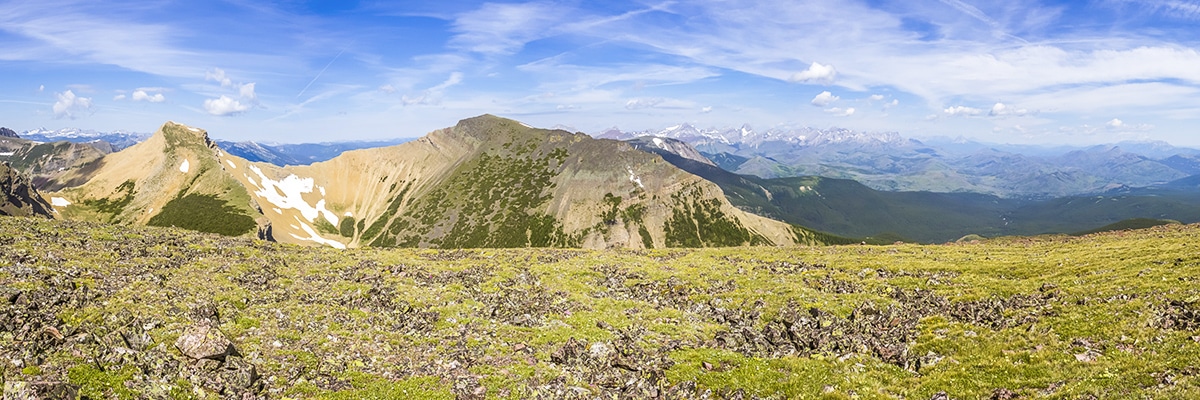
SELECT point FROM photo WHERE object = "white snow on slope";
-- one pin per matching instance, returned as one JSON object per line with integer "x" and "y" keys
{"x": 184, "y": 167}
{"x": 193, "y": 129}
{"x": 313, "y": 236}
{"x": 231, "y": 166}
{"x": 634, "y": 178}
{"x": 59, "y": 202}
{"x": 292, "y": 188}
{"x": 659, "y": 142}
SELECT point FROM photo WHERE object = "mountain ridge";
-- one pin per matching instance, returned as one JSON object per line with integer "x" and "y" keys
{"x": 485, "y": 182}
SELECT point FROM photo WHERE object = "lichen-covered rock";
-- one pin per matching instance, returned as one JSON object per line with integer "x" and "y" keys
{"x": 39, "y": 390}
{"x": 205, "y": 342}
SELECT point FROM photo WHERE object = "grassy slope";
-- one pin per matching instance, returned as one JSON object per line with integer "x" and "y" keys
{"x": 1044, "y": 317}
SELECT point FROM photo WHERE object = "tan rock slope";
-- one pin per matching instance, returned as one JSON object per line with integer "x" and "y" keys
{"x": 486, "y": 182}
{"x": 175, "y": 178}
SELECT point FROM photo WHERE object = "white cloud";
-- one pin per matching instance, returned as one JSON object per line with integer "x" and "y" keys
{"x": 1115, "y": 124}
{"x": 893, "y": 103}
{"x": 640, "y": 103}
{"x": 224, "y": 105}
{"x": 824, "y": 99}
{"x": 876, "y": 97}
{"x": 815, "y": 72}
{"x": 247, "y": 92}
{"x": 119, "y": 97}
{"x": 840, "y": 112}
{"x": 41, "y": 88}
{"x": 706, "y": 110}
{"x": 389, "y": 89}
{"x": 70, "y": 106}
{"x": 962, "y": 111}
{"x": 218, "y": 75}
{"x": 141, "y": 95}
{"x": 1001, "y": 109}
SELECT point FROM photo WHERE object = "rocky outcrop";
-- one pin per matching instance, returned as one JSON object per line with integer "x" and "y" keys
{"x": 18, "y": 196}
{"x": 5, "y": 132}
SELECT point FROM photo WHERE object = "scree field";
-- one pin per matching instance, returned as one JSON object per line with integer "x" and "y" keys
{"x": 120, "y": 312}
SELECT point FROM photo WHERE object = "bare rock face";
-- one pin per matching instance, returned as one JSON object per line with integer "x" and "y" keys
{"x": 205, "y": 341}
{"x": 18, "y": 196}
{"x": 5, "y": 132}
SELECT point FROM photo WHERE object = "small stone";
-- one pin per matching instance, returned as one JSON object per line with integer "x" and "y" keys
{"x": 600, "y": 350}
{"x": 706, "y": 365}
{"x": 238, "y": 373}
{"x": 940, "y": 396}
{"x": 1003, "y": 394}
{"x": 204, "y": 342}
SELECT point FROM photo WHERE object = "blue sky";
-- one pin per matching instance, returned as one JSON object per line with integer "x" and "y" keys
{"x": 300, "y": 71}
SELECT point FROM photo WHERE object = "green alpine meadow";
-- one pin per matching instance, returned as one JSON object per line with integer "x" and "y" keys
{"x": 106, "y": 311}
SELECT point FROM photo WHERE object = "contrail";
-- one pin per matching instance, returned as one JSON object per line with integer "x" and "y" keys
{"x": 319, "y": 74}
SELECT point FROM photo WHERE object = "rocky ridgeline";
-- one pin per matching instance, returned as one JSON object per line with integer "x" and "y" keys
{"x": 18, "y": 197}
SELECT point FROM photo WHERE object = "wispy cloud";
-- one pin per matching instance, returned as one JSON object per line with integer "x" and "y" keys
{"x": 499, "y": 28}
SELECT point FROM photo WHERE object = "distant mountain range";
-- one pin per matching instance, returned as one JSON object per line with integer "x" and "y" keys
{"x": 888, "y": 161}
{"x": 299, "y": 154}
{"x": 848, "y": 208}
{"x": 117, "y": 140}
{"x": 493, "y": 182}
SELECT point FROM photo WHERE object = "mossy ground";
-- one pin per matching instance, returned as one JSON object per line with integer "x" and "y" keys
{"x": 1111, "y": 315}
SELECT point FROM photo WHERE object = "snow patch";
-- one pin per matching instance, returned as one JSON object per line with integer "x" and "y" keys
{"x": 7, "y": 154}
{"x": 524, "y": 124}
{"x": 277, "y": 210}
{"x": 634, "y": 178}
{"x": 231, "y": 165}
{"x": 292, "y": 188}
{"x": 313, "y": 236}
{"x": 59, "y": 202}
{"x": 659, "y": 142}
{"x": 349, "y": 214}
{"x": 322, "y": 188}
{"x": 184, "y": 167}
{"x": 193, "y": 129}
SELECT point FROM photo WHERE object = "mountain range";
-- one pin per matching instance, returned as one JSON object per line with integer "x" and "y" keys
{"x": 849, "y": 208}
{"x": 890, "y": 162}
{"x": 486, "y": 182}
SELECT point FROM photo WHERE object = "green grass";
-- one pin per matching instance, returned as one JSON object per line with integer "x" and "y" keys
{"x": 406, "y": 323}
